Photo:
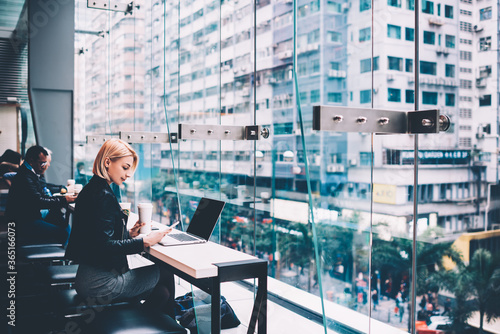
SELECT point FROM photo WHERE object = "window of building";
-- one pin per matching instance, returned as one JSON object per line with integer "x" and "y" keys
{"x": 313, "y": 36}
{"x": 465, "y": 70}
{"x": 365, "y": 34}
{"x": 315, "y": 96}
{"x": 465, "y": 12}
{"x": 448, "y": 11}
{"x": 427, "y": 67}
{"x": 394, "y": 3}
{"x": 484, "y": 100}
{"x": 335, "y": 65}
{"x": 302, "y": 69}
{"x": 315, "y": 66}
{"x": 449, "y": 41}
{"x": 375, "y": 63}
{"x": 283, "y": 128}
{"x": 410, "y": 96}
{"x": 302, "y": 11}
{"x": 429, "y": 37}
{"x": 395, "y": 63}
{"x": 485, "y": 43}
{"x": 449, "y": 71}
{"x": 365, "y": 65}
{"x": 315, "y": 6}
{"x": 466, "y": 55}
{"x": 303, "y": 97}
{"x": 427, "y": 7}
{"x": 335, "y": 37}
{"x": 430, "y": 98}
{"x": 365, "y": 5}
{"x": 485, "y": 14}
{"x": 465, "y": 26}
{"x": 393, "y": 31}
{"x": 334, "y": 7}
{"x": 465, "y": 84}
{"x": 335, "y": 97}
{"x": 409, "y": 65}
{"x": 410, "y": 34}
{"x": 465, "y": 142}
{"x": 449, "y": 100}
{"x": 365, "y": 96}
{"x": 465, "y": 113}
{"x": 410, "y": 4}
{"x": 465, "y": 41}
{"x": 393, "y": 95}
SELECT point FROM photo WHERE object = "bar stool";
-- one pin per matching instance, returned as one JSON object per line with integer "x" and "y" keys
{"x": 41, "y": 253}
{"x": 60, "y": 275}
{"x": 68, "y": 304}
{"x": 133, "y": 320}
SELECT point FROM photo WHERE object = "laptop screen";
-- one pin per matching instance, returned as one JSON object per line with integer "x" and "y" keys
{"x": 205, "y": 217}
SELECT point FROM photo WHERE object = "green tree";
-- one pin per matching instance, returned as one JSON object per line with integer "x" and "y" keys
{"x": 477, "y": 288}
{"x": 396, "y": 254}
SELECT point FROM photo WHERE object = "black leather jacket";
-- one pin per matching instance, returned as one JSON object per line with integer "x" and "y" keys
{"x": 99, "y": 235}
{"x": 26, "y": 198}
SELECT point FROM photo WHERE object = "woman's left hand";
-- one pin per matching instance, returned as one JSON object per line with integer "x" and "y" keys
{"x": 134, "y": 231}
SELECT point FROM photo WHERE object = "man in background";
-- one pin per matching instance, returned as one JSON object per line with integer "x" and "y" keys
{"x": 27, "y": 202}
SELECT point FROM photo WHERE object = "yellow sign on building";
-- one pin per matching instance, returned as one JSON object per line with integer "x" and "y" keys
{"x": 384, "y": 193}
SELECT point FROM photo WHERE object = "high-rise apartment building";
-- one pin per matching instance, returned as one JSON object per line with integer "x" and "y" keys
{"x": 220, "y": 63}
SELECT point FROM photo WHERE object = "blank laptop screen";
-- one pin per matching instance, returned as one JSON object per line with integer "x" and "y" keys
{"x": 205, "y": 217}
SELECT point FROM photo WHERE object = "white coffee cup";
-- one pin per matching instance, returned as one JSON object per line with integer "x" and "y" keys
{"x": 70, "y": 186}
{"x": 145, "y": 211}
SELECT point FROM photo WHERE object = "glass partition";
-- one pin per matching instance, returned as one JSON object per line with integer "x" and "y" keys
{"x": 331, "y": 212}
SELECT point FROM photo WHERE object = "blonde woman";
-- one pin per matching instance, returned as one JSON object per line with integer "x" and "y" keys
{"x": 100, "y": 241}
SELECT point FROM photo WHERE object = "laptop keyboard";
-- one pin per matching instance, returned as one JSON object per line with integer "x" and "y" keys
{"x": 182, "y": 237}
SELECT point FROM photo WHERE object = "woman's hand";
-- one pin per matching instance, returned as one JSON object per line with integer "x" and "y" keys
{"x": 134, "y": 231}
{"x": 154, "y": 237}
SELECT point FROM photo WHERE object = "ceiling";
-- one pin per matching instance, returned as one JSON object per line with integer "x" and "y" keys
{"x": 9, "y": 14}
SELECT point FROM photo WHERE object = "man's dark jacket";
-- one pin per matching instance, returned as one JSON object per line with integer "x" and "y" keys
{"x": 99, "y": 235}
{"x": 26, "y": 198}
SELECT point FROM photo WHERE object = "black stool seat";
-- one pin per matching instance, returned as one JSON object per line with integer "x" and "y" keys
{"x": 42, "y": 253}
{"x": 60, "y": 274}
{"x": 69, "y": 303}
{"x": 133, "y": 320}
{"x": 40, "y": 245}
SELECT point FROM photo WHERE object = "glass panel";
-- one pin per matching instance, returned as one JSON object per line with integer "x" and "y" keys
{"x": 267, "y": 63}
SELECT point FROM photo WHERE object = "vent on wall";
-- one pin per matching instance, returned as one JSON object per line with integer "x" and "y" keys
{"x": 13, "y": 71}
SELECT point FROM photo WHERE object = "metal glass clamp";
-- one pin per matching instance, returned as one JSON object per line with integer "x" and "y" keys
{"x": 136, "y": 137}
{"x": 346, "y": 119}
{"x": 115, "y": 6}
{"x": 222, "y": 132}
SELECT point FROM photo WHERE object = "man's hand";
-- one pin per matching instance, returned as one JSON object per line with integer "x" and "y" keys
{"x": 135, "y": 230}
{"x": 70, "y": 198}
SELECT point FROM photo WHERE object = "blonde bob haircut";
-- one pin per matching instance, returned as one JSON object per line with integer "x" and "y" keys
{"x": 113, "y": 149}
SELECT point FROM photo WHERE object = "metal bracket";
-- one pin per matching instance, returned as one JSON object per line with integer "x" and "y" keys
{"x": 136, "y": 137}
{"x": 99, "y": 139}
{"x": 115, "y": 6}
{"x": 148, "y": 137}
{"x": 222, "y": 132}
{"x": 346, "y": 119}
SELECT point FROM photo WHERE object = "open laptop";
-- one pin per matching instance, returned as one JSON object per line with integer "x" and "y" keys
{"x": 201, "y": 227}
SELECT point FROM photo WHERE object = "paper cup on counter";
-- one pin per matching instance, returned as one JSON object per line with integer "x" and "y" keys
{"x": 145, "y": 211}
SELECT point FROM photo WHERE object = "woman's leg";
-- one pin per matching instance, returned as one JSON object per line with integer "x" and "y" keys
{"x": 163, "y": 294}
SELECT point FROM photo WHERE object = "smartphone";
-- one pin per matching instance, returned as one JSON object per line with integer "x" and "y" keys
{"x": 174, "y": 224}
